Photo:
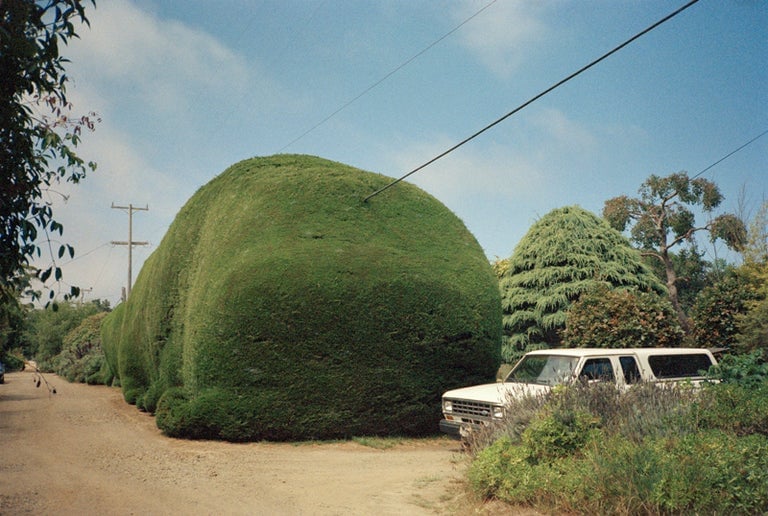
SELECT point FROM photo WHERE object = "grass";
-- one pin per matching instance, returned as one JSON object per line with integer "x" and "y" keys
{"x": 379, "y": 443}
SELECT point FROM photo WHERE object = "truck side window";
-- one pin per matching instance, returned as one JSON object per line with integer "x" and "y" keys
{"x": 679, "y": 366}
{"x": 597, "y": 369}
{"x": 631, "y": 371}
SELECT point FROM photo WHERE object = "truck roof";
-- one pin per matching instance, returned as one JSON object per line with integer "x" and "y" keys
{"x": 581, "y": 352}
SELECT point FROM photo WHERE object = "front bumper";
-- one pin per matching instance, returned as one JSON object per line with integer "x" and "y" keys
{"x": 452, "y": 428}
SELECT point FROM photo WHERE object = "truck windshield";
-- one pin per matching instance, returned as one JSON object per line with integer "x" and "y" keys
{"x": 543, "y": 369}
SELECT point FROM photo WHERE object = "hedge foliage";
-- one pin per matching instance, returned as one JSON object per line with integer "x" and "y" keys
{"x": 280, "y": 306}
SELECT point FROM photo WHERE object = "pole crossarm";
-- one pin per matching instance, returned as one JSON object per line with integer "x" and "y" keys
{"x": 122, "y": 242}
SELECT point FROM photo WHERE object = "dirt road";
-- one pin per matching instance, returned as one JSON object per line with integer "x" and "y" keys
{"x": 83, "y": 450}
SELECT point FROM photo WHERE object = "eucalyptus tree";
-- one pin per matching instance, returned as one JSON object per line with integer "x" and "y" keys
{"x": 661, "y": 218}
{"x": 566, "y": 253}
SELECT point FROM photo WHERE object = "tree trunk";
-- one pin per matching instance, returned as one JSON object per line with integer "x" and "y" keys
{"x": 685, "y": 322}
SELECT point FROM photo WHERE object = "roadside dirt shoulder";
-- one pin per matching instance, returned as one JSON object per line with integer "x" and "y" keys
{"x": 84, "y": 450}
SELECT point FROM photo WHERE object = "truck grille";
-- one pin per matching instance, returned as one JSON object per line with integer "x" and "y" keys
{"x": 472, "y": 408}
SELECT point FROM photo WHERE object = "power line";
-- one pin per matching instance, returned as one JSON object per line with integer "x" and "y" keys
{"x": 83, "y": 255}
{"x": 732, "y": 153}
{"x": 535, "y": 98}
{"x": 387, "y": 76}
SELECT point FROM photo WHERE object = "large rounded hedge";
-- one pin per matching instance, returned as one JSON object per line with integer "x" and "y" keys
{"x": 281, "y": 306}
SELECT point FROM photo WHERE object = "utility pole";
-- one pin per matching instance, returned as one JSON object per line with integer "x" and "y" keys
{"x": 130, "y": 243}
{"x": 82, "y": 294}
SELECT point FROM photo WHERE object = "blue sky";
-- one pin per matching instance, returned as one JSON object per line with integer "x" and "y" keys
{"x": 186, "y": 89}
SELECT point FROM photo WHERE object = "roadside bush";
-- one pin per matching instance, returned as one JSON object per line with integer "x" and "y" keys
{"x": 749, "y": 370}
{"x": 286, "y": 308}
{"x": 713, "y": 472}
{"x": 558, "y": 434}
{"x": 672, "y": 450}
{"x": 506, "y": 472}
{"x": 81, "y": 358}
{"x": 45, "y": 330}
{"x": 13, "y": 361}
{"x": 737, "y": 409}
{"x": 706, "y": 472}
{"x": 518, "y": 414}
{"x": 642, "y": 411}
{"x": 173, "y": 412}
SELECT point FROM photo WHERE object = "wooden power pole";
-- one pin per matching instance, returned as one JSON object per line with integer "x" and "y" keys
{"x": 130, "y": 243}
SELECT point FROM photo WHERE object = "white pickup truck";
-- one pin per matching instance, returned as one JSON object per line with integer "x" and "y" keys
{"x": 538, "y": 371}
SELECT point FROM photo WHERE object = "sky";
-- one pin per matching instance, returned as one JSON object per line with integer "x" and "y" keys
{"x": 184, "y": 89}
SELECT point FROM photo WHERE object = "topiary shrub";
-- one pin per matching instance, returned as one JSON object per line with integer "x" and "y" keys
{"x": 280, "y": 306}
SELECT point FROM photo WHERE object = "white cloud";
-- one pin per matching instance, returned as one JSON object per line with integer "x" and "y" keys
{"x": 134, "y": 69}
{"x": 163, "y": 61}
{"x": 567, "y": 134}
{"x": 513, "y": 166}
{"x": 491, "y": 171}
{"x": 503, "y": 34}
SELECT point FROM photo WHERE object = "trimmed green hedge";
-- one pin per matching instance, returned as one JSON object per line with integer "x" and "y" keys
{"x": 280, "y": 306}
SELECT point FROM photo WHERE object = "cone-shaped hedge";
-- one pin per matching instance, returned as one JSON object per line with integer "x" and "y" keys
{"x": 280, "y": 306}
{"x": 567, "y": 252}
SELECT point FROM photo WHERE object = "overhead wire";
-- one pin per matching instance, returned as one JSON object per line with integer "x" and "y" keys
{"x": 83, "y": 255}
{"x": 387, "y": 76}
{"x": 731, "y": 153}
{"x": 535, "y": 98}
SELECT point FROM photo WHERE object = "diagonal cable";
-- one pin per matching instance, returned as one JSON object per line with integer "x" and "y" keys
{"x": 387, "y": 76}
{"x": 534, "y": 99}
{"x": 732, "y": 153}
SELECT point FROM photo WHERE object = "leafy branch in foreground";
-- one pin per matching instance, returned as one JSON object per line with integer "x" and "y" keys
{"x": 37, "y": 151}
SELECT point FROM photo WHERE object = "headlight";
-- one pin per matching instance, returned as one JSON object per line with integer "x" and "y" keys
{"x": 447, "y": 406}
{"x": 498, "y": 412}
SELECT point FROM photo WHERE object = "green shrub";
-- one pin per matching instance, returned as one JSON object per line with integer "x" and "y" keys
{"x": 737, "y": 409}
{"x": 45, "y": 331}
{"x": 718, "y": 308}
{"x": 82, "y": 358}
{"x": 605, "y": 318}
{"x": 13, "y": 361}
{"x": 622, "y": 479}
{"x": 506, "y": 472}
{"x": 518, "y": 414}
{"x": 749, "y": 369}
{"x": 695, "y": 452}
{"x": 713, "y": 472}
{"x": 708, "y": 472}
{"x": 173, "y": 412}
{"x": 286, "y": 308}
{"x": 559, "y": 433}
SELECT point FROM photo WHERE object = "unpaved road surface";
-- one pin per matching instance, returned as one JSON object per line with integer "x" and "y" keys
{"x": 83, "y": 450}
